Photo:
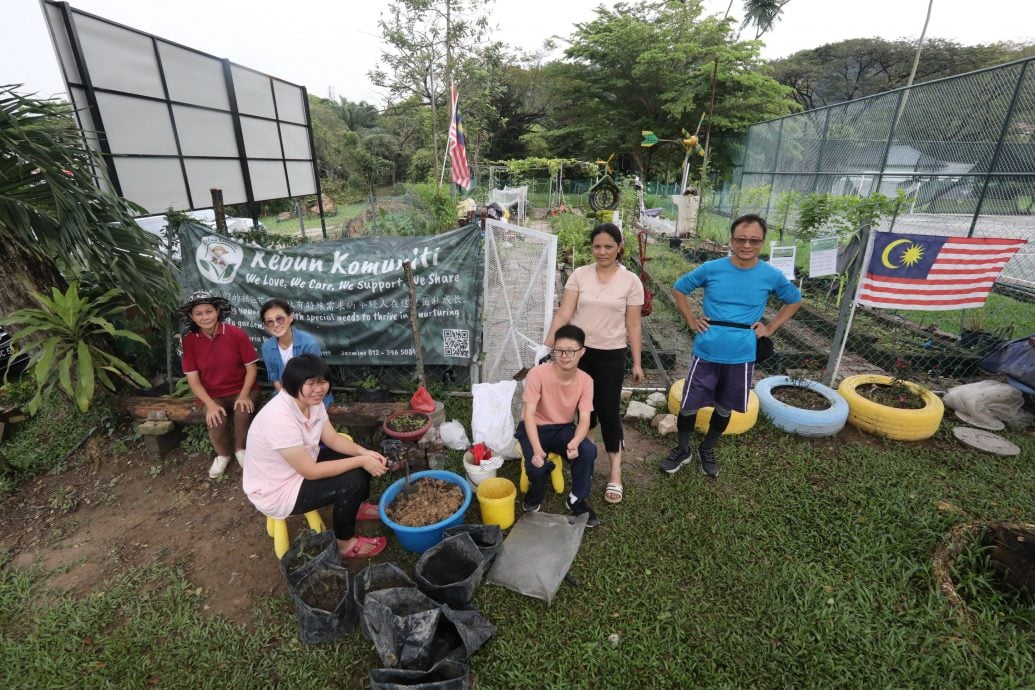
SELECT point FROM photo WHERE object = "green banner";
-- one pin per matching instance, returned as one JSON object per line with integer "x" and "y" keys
{"x": 351, "y": 294}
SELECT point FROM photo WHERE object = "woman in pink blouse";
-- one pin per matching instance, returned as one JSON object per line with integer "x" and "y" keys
{"x": 604, "y": 300}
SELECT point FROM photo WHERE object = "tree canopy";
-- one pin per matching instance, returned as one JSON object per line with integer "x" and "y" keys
{"x": 858, "y": 67}
{"x": 648, "y": 66}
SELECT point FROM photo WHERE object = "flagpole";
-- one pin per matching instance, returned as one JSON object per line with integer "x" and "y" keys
{"x": 452, "y": 117}
{"x": 835, "y": 360}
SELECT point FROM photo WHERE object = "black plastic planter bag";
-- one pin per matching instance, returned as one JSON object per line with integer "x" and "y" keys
{"x": 309, "y": 550}
{"x": 372, "y": 578}
{"x": 450, "y": 571}
{"x": 411, "y": 631}
{"x": 488, "y": 539}
{"x": 324, "y": 604}
{"x": 447, "y": 674}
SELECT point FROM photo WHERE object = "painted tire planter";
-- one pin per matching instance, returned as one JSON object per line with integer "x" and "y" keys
{"x": 797, "y": 420}
{"x": 739, "y": 421}
{"x": 891, "y": 422}
{"x": 420, "y": 539}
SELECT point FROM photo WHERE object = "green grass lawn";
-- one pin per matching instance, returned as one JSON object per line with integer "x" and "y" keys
{"x": 312, "y": 222}
{"x": 806, "y": 564}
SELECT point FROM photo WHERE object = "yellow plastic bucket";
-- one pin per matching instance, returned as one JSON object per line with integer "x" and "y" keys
{"x": 496, "y": 500}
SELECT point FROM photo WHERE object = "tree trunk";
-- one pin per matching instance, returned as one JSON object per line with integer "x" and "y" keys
{"x": 22, "y": 273}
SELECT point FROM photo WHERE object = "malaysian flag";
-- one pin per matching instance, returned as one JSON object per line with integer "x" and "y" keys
{"x": 457, "y": 147}
{"x": 933, "y": 273}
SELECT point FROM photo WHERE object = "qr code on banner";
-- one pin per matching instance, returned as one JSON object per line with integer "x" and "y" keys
{"x": 456, "y": 343}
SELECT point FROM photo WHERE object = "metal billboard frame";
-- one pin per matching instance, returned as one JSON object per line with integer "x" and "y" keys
{"x": 172, "y": 122}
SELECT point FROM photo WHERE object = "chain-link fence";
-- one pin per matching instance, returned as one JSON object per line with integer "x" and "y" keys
{"x": 954, "y": 157}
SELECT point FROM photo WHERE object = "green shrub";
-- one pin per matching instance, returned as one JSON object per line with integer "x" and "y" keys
{"x": 75, "y": 350}
{"x": 436, "y": 209}
{"x": 572, "y": 238}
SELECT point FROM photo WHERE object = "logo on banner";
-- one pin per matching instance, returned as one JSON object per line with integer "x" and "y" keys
{"x": 218, "y": 259}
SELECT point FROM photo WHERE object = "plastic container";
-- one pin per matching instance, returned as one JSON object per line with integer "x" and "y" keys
{"x": 407, "y": 436}
{"x": 496, "y": 498}
{"x": 476, "y": 474}
{"x": 420, "y": 539}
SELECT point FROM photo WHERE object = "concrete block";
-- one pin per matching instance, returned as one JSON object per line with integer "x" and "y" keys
{"x": 639, "y": 410}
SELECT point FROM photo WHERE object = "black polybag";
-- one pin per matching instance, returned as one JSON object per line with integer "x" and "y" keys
{"x": 447, "y": 674}
{"x": 488, "y": 539}
{"x": 451, "y": 571}
{"x": 411, "y": 631}
{"x": 372, "y": 578}
{"x": 317, "y": 625}
{"x": 299, "y": 560}
{"x": 314, "y": 560}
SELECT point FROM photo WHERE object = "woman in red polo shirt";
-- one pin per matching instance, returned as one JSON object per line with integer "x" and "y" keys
{"x": 220, "y": 364}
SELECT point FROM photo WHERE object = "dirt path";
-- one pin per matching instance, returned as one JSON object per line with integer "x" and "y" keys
{"x": 107, "y": 514}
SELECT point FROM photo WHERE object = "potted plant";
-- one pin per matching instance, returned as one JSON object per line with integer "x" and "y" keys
{"x": 891, "y": 407}
{"x": 976, "y": 334}
{"x": 371, "y": 390}
{"x": 802, "y": 406}
{"x": 408, "y": 425}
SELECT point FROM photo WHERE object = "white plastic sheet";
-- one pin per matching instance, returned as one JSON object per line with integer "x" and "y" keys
{"x": 491, "y": 420}
{"x": 988, "y": 404}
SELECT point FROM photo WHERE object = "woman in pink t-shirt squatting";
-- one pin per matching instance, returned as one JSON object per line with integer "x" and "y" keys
{"x": 604, "y": 300}
{"x": 286, "y": 472}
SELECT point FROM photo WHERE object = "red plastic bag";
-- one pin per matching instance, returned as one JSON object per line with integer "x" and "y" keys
{"x": 648, "y": 299}
{"x": 422, "y": 401}
{"x": 479, "y": 452}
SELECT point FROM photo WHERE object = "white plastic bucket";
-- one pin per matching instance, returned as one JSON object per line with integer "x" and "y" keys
{"x": 476, "y": 474}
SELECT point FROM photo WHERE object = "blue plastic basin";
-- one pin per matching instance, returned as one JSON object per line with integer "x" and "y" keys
{"x": 420, "y": 539}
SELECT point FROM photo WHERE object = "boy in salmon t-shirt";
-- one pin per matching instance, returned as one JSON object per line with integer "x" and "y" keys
{"x": 553, "y": 393}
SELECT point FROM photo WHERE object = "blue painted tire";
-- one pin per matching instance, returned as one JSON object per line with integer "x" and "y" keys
{"x": 796, "y": 420}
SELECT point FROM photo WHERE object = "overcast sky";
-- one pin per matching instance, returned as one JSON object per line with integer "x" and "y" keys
{"x": 330, "y": 45}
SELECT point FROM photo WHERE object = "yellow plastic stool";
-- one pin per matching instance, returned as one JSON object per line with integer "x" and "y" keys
{"x": 556, "y": 477}
{"x": 277, "y": 528}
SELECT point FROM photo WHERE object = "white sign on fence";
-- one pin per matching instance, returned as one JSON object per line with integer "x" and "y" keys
{"x": 823, "y": 256}
{"x": 783, "y": 259}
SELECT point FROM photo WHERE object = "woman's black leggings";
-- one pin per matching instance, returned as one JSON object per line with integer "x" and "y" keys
{"x": 607, "y": 369}
{"x": 345, "y": 491}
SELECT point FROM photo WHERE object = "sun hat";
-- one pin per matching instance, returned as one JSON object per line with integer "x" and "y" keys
{"x": 221, "y": 304}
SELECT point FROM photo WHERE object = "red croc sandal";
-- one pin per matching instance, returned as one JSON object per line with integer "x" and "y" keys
{"x": 368, "y": 511}
{"x": 375, "y": 545}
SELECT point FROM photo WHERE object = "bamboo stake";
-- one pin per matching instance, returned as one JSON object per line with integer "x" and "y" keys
{"x": 414, "y": 326}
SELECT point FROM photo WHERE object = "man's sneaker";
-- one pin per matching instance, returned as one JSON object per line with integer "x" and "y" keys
{"x": 530, "y": 508}
{"x": 582, "y": 506}
{"x": 676, "y": 459}
{"x": 218, "y": 466}
{"x": 709, "y": 463}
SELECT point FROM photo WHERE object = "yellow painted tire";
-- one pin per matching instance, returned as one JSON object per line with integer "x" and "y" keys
{"x": 739, "y": 421}
{"x": 891, "y": 422}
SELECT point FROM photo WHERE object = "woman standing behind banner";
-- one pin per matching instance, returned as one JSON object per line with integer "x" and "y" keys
{"x": 278, "y": 317}
{"x": 604, "y": 300}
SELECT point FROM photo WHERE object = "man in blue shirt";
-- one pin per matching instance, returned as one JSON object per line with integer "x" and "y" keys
{"x": 736, "y": 290}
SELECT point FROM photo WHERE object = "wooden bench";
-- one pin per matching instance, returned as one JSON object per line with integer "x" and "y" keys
{"x": 160, "y": 420}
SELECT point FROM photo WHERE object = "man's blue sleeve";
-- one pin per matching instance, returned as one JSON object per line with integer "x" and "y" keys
{"x": 786, "y": 290}
{"x": 689, "y": 282}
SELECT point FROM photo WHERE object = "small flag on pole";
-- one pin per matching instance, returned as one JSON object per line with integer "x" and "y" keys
{"x": 457, "y": 146}
{"x": 933, "y": 273}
